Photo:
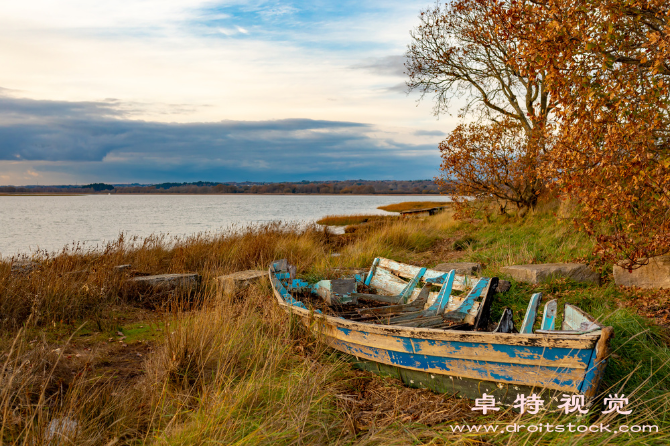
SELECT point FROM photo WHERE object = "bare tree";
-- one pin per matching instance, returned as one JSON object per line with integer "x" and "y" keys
{"x": 461, "y": 51}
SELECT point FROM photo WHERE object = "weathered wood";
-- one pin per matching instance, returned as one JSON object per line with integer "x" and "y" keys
{"x": 372, "y": 271}
{"x": 506, "y": 394}
{"x": 407, "y": 317}
{"x": 443, "y": 301}
{"x": 484, "y": 313}
{"x": 443, "y": 296}
{"x": 464, "y": 349}
{"x": 376, "y": 298}
{"x": 564, "y": 332}
{"x": 409, "y": 288}
{"x": 424, "y": 321}
{"x": 416, "y": 305}
{"x": 584, "y": 341}
{"x": 549, "y": 315}
{"x": 452, "y": 326}
{"x": 576, "y": 319}
{"x": 391, "y": 309}
{"x": 408, "y": 271}
{"x": 387, "y": 283}
{"x": 24, "y": 266}
{"x": 566, "y": 379}
{"x": 454, "y": 309}
{"x": 336, "y": 291}
{"x": 531, "y": 313}
{"x": 597, "y": 366}
{"x": 506, "y": 324}
{"x": 422, "y": 212}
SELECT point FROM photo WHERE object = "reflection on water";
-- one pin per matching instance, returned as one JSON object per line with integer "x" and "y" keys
{"x": 43, "y": 222}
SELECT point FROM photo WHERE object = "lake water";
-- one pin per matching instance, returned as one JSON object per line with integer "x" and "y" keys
{"x": 52, "y": 222}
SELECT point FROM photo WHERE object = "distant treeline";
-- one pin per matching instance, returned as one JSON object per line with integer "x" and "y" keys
{"x": 204, "y": 187}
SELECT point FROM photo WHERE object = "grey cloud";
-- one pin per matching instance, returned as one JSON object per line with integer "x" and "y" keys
{"x": 429, "y": 133}
{"x": 398, "y": 88}
{"x": 389, "y": 65}
{"x": 98, "y": 139}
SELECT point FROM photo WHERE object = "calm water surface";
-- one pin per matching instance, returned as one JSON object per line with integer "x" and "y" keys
{"x": 51, "y": 223}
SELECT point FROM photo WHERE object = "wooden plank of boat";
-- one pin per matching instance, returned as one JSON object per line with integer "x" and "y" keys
{"x": 406, "y": 341}
{"x": 443, "y": 297}
{"x": 483, "y": 314}
{"x": 506, "y": 324}
{"x": 376, "y": 298}
{"x": 531, "y": 313}
{"x": 392, "y": 309}
{"x": 416, "y": 305}
{"x": 461, "y": 282}
{"x": 463, "y": 310}
{"x": 559, "y": 378}
{"x": 549, "y": 315}
{"x": 576, "y": 319}
{"x": 504, "y": 393}
{"x": 431, "y": 321}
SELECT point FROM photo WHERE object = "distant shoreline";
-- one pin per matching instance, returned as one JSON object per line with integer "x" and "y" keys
{"x": 46, "y": 194}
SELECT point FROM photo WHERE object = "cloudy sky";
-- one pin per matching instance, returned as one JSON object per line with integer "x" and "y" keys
{"x": 185, "y": 90}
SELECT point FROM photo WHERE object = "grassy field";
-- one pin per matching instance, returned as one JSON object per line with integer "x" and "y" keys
{"x": 85, "y": 360}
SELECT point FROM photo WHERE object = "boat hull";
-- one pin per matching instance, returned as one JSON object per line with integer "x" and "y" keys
{"x": 464, "y": 363}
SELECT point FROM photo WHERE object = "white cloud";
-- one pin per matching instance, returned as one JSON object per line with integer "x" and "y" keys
{"x": 226, "y": 31}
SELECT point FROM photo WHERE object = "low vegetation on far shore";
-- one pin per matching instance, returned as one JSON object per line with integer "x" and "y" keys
{"x": 355, "y": 187}
{"x": 412, "y": 206}
{"x": 355, "y": 219}
{"x": 86, "y": 360}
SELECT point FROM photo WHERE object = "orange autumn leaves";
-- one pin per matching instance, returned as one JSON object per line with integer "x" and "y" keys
{"x": 605, "y": 66}
{"x": 493, "y": 160}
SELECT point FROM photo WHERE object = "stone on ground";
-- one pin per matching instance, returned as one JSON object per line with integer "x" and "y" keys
{"x": 468, "y": 268}
{"x": 167, "y": 281}
{"x": 24, "y": 266}
{"x": 121, "y": 268}
{"x": 240, "y": 279}
{"x": 503, "y": 286}
{"x": 654, "y": 275}
{"x": 537, "y": 273}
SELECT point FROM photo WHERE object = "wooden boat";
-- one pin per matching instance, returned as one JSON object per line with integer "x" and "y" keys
{"x": 431, "y": 329}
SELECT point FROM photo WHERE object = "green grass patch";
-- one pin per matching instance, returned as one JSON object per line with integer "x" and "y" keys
{"x": 142, "y": 331}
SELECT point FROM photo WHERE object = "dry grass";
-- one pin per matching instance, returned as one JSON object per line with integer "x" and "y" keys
{"x": 224, "y": 367}
{"x": 344, "y": 220}
{"x": 83, "y": 359}
{"x": 412, "y": 205}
